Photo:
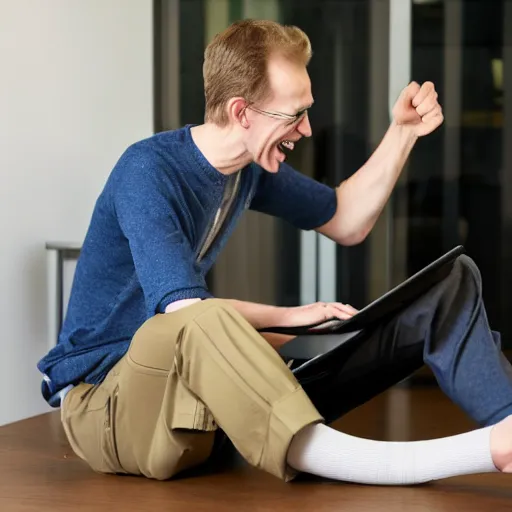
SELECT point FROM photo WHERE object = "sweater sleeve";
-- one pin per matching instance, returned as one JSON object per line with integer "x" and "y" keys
{"x": 151, "y": 218}
{"x": 304, "y": 202}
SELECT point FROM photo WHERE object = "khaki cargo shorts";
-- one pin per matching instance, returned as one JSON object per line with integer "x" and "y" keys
{"x": 185, "y": 375}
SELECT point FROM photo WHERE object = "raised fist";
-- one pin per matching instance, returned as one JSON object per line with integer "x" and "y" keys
{"x": 417, "y": 108}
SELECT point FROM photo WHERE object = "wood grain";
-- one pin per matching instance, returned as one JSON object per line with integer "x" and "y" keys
{"x": 38, "y": 472}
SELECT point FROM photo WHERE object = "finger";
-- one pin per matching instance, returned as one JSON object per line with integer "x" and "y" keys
{"x": 346, "y": 308}
{"x": 339, "y": 313}
{"x": 353, "y": 310}
{"x": 434, "y": 114}
{"x": 329, "y": 311}
{"x": 341, "y": 310}
{"x": 425, "y": 90}
{"x": 428, "y": 105}
{"x": 411, "y": 91}
{"x": 404, "y": 106}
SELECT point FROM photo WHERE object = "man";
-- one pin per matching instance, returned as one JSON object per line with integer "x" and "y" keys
{"x": 149, "y": 366}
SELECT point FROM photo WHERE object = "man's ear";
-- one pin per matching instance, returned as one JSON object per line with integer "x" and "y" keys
{"x": 237, "y": 112}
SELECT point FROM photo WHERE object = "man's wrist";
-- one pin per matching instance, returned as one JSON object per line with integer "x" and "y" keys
{"x": 278, "y": 317}
{"x": 406, "y": 133}
{"x": 270, "y": 316}
{"x": 260, "y": 316}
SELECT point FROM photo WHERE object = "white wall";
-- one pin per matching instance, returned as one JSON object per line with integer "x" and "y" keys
{"x": 75, "y": 90}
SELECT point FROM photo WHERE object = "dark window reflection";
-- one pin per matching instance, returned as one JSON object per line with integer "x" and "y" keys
{"x": 437, "y": 204}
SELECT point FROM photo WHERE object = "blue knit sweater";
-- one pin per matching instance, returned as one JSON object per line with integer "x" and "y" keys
{"x": 140, "y": 251}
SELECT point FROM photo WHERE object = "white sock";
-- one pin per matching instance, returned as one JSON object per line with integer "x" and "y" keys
{"x": 323, "y": 451}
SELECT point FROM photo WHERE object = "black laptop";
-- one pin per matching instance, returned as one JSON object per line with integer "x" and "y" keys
{"x": 316, "y": 339}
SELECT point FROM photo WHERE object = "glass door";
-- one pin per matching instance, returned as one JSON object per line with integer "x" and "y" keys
{"x": 362, "y": 60}
{"x": 456, "y": 188}
{"x": 457, "y": 185}
{"x": 340, "y": 33}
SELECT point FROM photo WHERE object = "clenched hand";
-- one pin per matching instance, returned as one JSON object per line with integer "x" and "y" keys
{"x": 417, "y": 108}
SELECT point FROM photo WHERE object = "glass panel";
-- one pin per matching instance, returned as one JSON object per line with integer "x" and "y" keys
{"x": 340, "y": 74}
{"x": 503, "y": 82}
{"x": 481, "y": 145}
{"x": 456, "y": 187}
{"x": 349, "y": 118}
{"x": 452, "y": 194}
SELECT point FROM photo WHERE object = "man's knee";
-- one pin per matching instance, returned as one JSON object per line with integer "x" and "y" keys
{"x": 220, "y": 308}
{"x": 217, "y": 322}
{"x": 154, "y": 344}
{"x": 462, "y": 284}
{"x": 467, "y": 262}
{"x": 468, "y": 269}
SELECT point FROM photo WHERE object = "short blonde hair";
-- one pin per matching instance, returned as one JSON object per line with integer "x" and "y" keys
{"x": 235, "y": 62}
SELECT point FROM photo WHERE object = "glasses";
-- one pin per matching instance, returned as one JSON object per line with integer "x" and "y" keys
{"x": 279, "y": 115}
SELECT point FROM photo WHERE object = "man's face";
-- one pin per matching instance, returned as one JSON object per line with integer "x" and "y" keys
{"x": 272, "y": 134}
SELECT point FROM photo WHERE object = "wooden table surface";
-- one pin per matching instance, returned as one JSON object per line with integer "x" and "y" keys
{"x": 38, "y": 472}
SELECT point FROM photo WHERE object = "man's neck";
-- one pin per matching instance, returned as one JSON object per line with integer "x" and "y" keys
{"x": 222, "y": 147}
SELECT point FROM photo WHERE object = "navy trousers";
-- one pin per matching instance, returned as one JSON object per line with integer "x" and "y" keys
{"x": 447, "y": 329}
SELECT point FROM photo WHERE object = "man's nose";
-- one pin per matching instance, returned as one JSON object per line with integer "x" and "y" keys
{"x": 304, "y": 127}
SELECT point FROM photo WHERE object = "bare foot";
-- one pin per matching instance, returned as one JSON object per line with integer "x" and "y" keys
{"x": 501, "y": 445}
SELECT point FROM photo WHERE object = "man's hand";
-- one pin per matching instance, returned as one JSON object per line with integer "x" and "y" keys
{"x": 315, "y": 313}
{"x": 417, "y": 108}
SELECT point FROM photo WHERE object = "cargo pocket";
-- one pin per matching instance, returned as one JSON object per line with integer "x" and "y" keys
{"x": 109, "y": 451}
{"x": 183, "y": 410}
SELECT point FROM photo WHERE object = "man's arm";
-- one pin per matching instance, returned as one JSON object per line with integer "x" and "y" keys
{"x": 362, "y": 197}
{"x": 261, "y": 316}
{"x": 258, "y": 315}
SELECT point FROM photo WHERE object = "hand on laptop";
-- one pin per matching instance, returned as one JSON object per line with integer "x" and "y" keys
{"x": 316, "y": 313}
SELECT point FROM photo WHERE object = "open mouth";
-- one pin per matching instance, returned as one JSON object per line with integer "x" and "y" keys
{"x": 286, "y": 145}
